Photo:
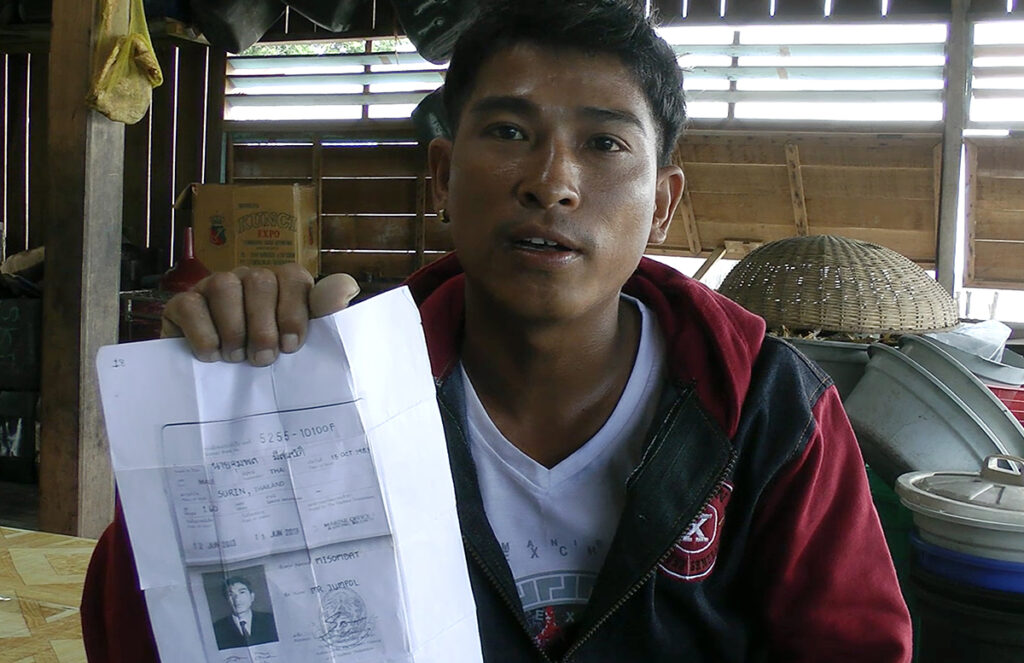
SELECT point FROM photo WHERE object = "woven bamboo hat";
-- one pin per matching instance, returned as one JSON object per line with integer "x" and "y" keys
{"x": 836, "y": 284}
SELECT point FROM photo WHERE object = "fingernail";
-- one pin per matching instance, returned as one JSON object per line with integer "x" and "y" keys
{"x": 237, "y": 355}
{"x": 263, "y": 358}
{"x": 210, "y": 356}
{"x": 290, "y": 342}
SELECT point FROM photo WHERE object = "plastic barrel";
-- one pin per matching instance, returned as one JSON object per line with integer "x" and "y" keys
{"x": 958, "y": 623}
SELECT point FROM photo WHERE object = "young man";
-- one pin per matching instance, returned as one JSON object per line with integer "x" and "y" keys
{"x": 244, "y": 626}
{"x": 641, "y": 474}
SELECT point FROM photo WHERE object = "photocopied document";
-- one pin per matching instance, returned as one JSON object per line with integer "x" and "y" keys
{"x": 302, "y": 511}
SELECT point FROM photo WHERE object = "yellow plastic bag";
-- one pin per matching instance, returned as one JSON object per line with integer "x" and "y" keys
{"x": 122, "y": 86}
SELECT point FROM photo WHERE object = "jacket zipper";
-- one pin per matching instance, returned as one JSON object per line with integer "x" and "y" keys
{"x": 516, "y": 610}
{"x": 643, "y": 579}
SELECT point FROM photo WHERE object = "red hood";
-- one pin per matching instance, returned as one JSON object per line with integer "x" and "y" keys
{"x": 712, "y": 341}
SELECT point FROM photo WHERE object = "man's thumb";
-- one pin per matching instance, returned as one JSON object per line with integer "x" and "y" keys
{"x": 331, "y": 294}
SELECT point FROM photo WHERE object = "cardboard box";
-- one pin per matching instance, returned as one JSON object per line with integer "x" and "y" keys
{"x": 254, "y": 224}
{"x": 20, "y": 343}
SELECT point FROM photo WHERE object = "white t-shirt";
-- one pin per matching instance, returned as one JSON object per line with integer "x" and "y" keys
{"x": 555, "y": 525}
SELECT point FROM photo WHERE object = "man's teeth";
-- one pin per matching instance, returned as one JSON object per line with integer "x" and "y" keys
{"x": 539, "y": 241}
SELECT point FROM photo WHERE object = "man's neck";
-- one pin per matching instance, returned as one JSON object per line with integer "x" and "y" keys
{"x": 549, "y": 387}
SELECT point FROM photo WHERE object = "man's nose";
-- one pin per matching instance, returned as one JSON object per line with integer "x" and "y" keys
{"x": 551, "y": 178}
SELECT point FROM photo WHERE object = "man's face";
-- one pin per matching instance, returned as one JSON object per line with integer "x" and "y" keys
{"x": 552, "y": 182}
{"x": 240, "y": 597}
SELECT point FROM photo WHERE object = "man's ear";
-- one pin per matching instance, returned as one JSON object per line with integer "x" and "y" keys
{"x": 668, "y": 193}
{"x": 439, "y": 159}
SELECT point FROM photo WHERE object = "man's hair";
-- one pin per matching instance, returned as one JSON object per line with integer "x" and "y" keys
{"x": 236, "y": 580}
{"x": 615, "y": 27}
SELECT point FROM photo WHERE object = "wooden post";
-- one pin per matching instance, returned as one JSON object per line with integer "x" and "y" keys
{"x": 689, "y": 222}
{"x": 959, "y": 48}
{"x": 970, "y": 211}
{"x": 710, "y": 262}
{"x": 80, "y": 304}
{"x": 796, "y": 189}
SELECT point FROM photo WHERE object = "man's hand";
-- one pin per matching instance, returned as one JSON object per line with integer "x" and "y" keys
{"x": 253, "y": 312}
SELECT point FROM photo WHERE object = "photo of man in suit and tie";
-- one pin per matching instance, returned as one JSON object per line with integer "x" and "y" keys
{"x": 245, "y": 626}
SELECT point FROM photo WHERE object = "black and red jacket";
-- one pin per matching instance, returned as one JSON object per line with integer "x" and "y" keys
{"x": 748, "y": 532}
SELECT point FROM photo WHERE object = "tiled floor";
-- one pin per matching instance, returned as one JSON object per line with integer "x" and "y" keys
{"x": 19, "y": 505}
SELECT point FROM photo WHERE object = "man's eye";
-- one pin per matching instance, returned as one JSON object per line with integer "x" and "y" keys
{"x": 507, "y": 132}
{"x": 606, "y": 144}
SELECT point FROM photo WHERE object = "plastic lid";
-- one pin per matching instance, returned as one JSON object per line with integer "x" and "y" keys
{"x": 992, "y": 498}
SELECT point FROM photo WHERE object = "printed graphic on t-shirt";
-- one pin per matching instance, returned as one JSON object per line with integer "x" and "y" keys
{"x": 553, "y": 603}
{"x": 694, "y": 554}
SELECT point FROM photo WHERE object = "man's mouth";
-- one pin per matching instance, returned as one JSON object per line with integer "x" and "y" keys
{"x": 540, "y": 244}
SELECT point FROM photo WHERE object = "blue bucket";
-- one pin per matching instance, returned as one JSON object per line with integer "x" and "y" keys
{"x": 968, "y": 569}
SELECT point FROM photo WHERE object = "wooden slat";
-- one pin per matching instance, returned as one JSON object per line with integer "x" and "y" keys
{"x": 999, "y": 264}
{"x": 714, "y": 233}
{"x": 871, "y": 214}
{"x": 738, "y": 178}
{"x": 259, "y": 161}
{"x": 918, "y": 246}
{"x": 1004, "y": 192}
{"x": 38, "y": 193}
{"x": 869, "y": 152}
{"x": 237, "y": 64}
{"x": 866, "y": 150}
{"x": 371, "y": 196}
{"x": 796, "y": 189}
{"x": 17, "y": 145}
{"x": 888, "y": 183}
{"x": 293, "y": 161}
{"x": 375, "y": 161}
{"x": 1003, "y": 157}
{"x": 368, "y": 268}
{"x": 903, "y": 242}
{"x": 378, "y": 233}
{"x": 738, "y": 217}
{"x": 808, "y": 50}
{"x": 814, "y": 73}
{"x": 740, "y": 208}
{"x": 1000, "y": 225}
{"x": 303, "y": 100}
{"x": 383, "y": 233}
{"x": 742, "y": 96}
{"x": 273, "y": 180}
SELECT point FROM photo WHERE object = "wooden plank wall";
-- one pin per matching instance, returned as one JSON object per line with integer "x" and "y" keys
{"x": 995, "y": 213}
{"x": 172, "y": 146}
{"x": 378, "y": 220}
{"x": 762, "y": 186}
{"x": 742, "y": 188}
